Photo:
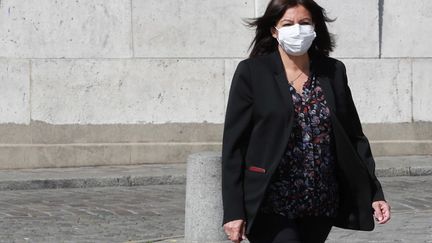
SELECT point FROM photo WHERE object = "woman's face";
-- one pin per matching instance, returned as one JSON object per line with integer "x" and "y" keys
{"x": 294, "y": 15}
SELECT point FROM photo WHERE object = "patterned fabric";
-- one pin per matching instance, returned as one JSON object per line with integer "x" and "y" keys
{"x": 304, "y": 183}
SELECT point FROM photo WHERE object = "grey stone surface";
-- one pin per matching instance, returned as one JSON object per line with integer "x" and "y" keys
{"x": 59, "y": 29}
{"x": 402, "y": 147}
{"x": 13, "y": 133}
{"x": 105, "y": 154}
{"x": 356, "y": 27}
{"x": 187, "y": 29}
{"x": 93, "y": 215}
{"x": 403, "y": 166}
{"x": 45, "y": 133}
{"x": 86, "y": 177}
{"x": 381, "y": 89}
{"x": 10, "y": 155}
{"x": 422, "y": 85}
{"x": 15, "y": 90}
{"x": 170, "y": 152}
{"x": 411, "y": 131}
{"x": 203, "y": 218}
{"x": 119, "y": 91}
{"x": 406, "y": 34}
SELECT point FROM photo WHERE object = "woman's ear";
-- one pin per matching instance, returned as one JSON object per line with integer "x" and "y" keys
{"x": 274, "y": 32}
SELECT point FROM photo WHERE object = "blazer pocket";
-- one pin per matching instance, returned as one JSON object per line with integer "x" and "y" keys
{"x": 256, "y": 169}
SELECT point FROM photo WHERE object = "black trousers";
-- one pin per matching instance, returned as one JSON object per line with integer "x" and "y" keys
{"x": 273, "y": 228}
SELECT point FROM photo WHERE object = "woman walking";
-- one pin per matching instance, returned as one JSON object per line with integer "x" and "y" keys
{"x": 295, "y": 161}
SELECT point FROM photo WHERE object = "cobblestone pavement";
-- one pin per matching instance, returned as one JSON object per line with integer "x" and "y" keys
{"x": 108, "y": 214}
{"x": 119, "y": 214}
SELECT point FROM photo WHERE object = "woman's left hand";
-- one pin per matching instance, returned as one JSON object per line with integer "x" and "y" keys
{"x": 382, "y": 211}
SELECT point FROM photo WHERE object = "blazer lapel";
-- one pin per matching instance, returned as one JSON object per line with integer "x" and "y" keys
{"x": 281, "y": 80}
{"x": 284, "y": 91}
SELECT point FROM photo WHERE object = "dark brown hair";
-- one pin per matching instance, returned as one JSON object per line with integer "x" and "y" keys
{"x": 264, "y": 43}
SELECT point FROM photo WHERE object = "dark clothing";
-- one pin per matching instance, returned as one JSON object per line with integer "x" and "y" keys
{"x": 304, "y": 183}
{"x": 258, "y": 123}
{"x": 274, "y": 228}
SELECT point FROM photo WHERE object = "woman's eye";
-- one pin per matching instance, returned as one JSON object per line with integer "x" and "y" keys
{"x": 305, "y": 23}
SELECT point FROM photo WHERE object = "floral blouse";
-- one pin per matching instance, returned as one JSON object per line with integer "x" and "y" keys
{"x": 304, "y": 183}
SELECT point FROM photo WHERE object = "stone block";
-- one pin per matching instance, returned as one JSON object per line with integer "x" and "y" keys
{"x": 191, "y": 29}
{"x": 406, "y": 28}
{"x": 168, "y": 152}
{"x": 77, "y": 155}
{"x": 12, "y": 156}
{"x": 51, "y": 28}
{"x": 422, "y": 87}
{"x": 401, "y": 147}
{"x": 260, "y": 7}
{"x": 381, "y": 89}
{"x": 14, "y": 92}
{"x": 399, "y": 131}
{"x": 15, "y": 133}
{"x": 44, "y": 133}
{"x": 421, "y": 171}
{"x": 74, "y": 155}
{"x": 356, "y": 26}
{"x": 127, "y": 91}
{"x": 391, "y": 172}
{"x": 203, "y": 213}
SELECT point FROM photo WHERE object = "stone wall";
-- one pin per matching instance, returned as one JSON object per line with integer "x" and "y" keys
{"x": 102, "y": 82}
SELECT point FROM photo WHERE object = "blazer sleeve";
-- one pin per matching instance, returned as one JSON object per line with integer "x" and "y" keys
{"x": 353, "y": 128}
{"x": 237, "y": 128}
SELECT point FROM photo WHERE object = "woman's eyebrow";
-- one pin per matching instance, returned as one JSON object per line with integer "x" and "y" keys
{"x": 303, "y": 19}
{"x": 306, "y": 19}
{"x": 286, "y": 20}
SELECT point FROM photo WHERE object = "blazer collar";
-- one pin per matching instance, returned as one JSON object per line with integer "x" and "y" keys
{"x": 277, "y": 68}
{"x": 317, "y": 64}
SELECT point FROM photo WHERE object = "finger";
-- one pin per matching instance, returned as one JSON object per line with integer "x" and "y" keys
{"x": 385, "y": 210}
{"x": 384, "y": 220}
{"x": 235, "y": 239}
{"x": 243, "y": 233}
{"x": 235, "y": 236}
{"x": 386, "y": 214}
{"x": 378, "y": 214}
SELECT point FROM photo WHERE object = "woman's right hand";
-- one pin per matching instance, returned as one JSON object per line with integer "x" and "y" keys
{"x": 235, "y": 230}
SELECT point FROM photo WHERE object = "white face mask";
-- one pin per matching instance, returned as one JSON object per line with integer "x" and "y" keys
{"x": 296, "y": 39}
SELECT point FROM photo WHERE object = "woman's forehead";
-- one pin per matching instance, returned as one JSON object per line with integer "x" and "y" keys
{"x": 297, "y": 12}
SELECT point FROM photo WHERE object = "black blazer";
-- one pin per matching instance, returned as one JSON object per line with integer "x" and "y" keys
{"x": 258, "y": 121}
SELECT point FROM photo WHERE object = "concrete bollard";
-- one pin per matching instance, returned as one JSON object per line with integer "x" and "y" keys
{"x": 203, "y": 213}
